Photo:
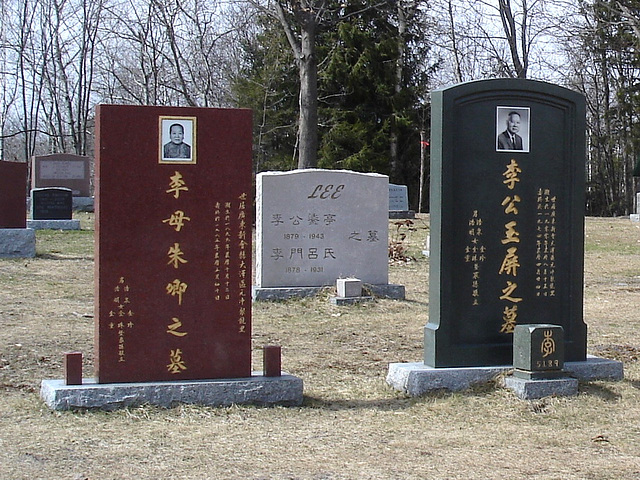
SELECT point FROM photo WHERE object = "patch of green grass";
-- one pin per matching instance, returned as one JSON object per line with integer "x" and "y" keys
{"x": 64, "y": 244}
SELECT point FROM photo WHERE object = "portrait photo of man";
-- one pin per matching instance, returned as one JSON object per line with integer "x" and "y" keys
{"x": 513, "y": 125}
{"x": 177, "y": 139}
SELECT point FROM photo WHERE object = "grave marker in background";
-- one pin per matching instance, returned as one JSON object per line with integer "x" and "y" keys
{"x": 315, "y": 226}
{"x": 399, "y": 202}
{"x": 54, "y": 203}
{"x": 63, "y": 170}
{"x": 398, "y": 197}
{"x": 13, "y": 195}
{"x": 15, "y": 240}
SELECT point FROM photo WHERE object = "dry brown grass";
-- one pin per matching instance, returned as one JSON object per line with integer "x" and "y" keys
{"x": 352, "y": 426}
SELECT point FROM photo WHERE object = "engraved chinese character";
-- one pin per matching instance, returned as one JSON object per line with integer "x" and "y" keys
{"x": 177, "y": 220}
{"x": 329, "y": 218}
{"x": 296, "y": 252}
{"x": 176, "y": 363}
{"x": 510, "y": 234}
{"x": 177, "y": 185}
{"x": 509, "y": 316}
{"x": 508, "y": 290}
{"x": 175, "y": 256}
{"x": 176, "y": 288}
{"x": 511, "y": 174}
{"x": 276, "y": 253}
{"x": 276, "y": 219}
{"x": 510, "y": 263}
{"x": 373, "y": 236}
{"x": 510, "y": 204}
{"x": 548, "y": 346}
{"x": 173, "y": 328}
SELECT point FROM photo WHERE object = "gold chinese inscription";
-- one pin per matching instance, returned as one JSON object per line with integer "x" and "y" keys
{"x": 175, "y": 254}
{"x": 243, "y": 235}
{"x": 121, "y": 315}
{"x": 546, "y": 243}
{"x": 177, "y": 185}
{"x": 176, "y": 288}
{"x": 174, "y": 328}
{"x": 548, "y": 345}
{"x": 475, "y": 254}
{"x": 176, "y": 258}
{"x": 511, "y": 261}
{"x": 176, "y": 362}
{"x": 176, "y": 220}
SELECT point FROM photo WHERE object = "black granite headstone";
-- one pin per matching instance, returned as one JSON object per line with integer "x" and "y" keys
{"x": 507, "y": 219}
{"x": 51, "y": 203}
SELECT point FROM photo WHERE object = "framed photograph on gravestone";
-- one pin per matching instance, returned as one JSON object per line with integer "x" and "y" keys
{"x": 512, "y": 129}
{"x": 178, "y": 140}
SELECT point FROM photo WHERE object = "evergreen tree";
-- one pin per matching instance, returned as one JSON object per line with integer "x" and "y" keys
{"x": 268, "y": 85}
{"x": 364, "y": 105}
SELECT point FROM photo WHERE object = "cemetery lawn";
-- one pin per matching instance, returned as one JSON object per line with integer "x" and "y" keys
{"x": 352, "y": 425}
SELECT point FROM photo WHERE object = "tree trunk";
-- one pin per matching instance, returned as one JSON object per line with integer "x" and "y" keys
{"x": 308, "y": 120}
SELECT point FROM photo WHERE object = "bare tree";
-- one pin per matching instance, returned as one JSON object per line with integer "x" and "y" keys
{"x": 499, "y": 38}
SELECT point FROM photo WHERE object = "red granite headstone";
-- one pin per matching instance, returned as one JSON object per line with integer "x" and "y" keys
{"x": 63, "y": 170}
{"x": 173, "y": 243}
{"x": 13, "y": 195}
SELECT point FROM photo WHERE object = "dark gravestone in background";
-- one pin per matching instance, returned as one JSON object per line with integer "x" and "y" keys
{"x": 51, "y": 204}
{"x": 13, "y": 195}
{"x": 173, "y": 246}
{"x": 62, "y": 170}
{"x": 506, "y": 226}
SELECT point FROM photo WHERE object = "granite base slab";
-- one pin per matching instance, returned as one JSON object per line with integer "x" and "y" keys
{"x": 401, "y": 214}
{"x": 417, "y": 379}
{"x": 17, "y": 243}
{"x": 285, "y": 390}
{"x": 532, "y": 389}
{"x": 340, "y": 301}
{"x": 396, "y": 292}
{"x": 54, "y": 224}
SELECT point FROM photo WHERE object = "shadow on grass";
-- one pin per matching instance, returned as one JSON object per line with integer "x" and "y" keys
{"x": 53, "y": 256}
{"x": 400, "y": 402}
{"x": 381, "y": 404}
{"x": 599, "y": 390}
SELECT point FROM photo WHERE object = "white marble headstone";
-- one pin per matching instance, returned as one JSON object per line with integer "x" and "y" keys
{"x": 398, "y": 198}
{"x": 315, "y": 226}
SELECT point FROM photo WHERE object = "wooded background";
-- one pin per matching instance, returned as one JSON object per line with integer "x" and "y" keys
{"x": 333, "y": 84}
